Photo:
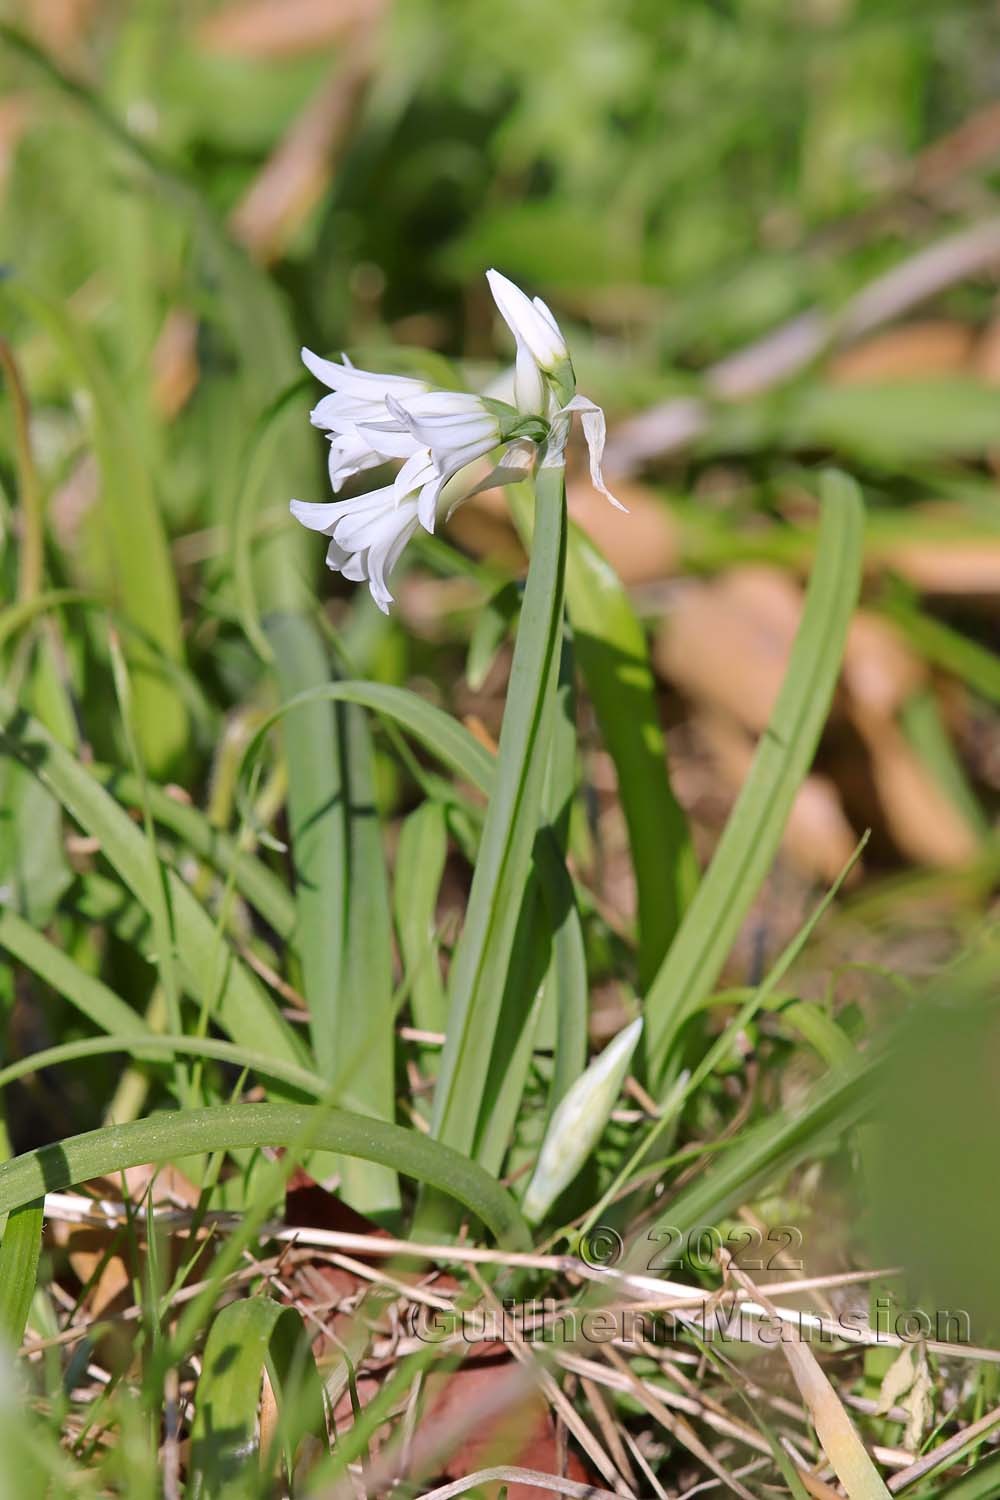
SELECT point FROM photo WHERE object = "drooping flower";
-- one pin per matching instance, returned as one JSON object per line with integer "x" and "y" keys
{"x": 540, "y": 342}
{"x": 367, "y": 535}
{"x": 440, "y": 438}
{"x": 351, "y": 412}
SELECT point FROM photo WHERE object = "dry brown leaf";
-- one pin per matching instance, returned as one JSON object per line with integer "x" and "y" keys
{"x": 175, "y": 362}
{"x": 913, "y": 352}
{"x": 944, "y": 567}
{"x": 296, "y": 174}
{"x": 641, "y": 547}
{"x": 923, "y": 822}
{"x": 880, "y": 670}
{"x": 262, "y": 28}
{"x": 818, "y": 839}
{"x": 60, "y": 25}
{"x": 727, "y": 642}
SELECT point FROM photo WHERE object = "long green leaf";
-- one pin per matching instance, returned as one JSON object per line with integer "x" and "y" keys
{"x": 259, "y": 885}
{"x": 244, "y": 1008}
{"x": 783, "y": 757}
{"x": 89, "y": 995}
{"x": 19, "y": 1252}
{"x": 158, "y": 1046}
{"x": 483, "y": 954}
{"x": 317, "y": 794}
{"x": 245, "y": 1340}
{"x": 168, "y": 1137}
{"x": 614, "y": 660}
{"x": 143, "y": 575}
{"x": 450, "y": 741}
{"x": 767, "y": 1149}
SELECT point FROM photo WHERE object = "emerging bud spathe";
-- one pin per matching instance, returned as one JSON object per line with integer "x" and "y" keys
{"x": 578, "y": 1122}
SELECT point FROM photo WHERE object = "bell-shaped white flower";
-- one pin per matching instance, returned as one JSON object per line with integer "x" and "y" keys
{"x": 367, "y": 535}
{"x": 352, "y": 412}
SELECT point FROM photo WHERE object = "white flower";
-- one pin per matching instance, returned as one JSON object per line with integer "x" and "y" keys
{"x": 358, "y": 399}
{"x": 544, "y": 379}
{"x": 367, "y": 535}
{"x": 531, "y": 322}
{"x": 438, "y": 436}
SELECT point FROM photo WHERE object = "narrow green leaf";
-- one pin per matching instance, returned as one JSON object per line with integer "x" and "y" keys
{"x": 143, "y": 575}
{"x": 483, "y": 954}
{"x": 766, "y": 1151}
{"x": 168, "y": 1137}
{"x": 420, "y": 860}
{"x": 244, "y": 1009}
{"x": 19, "y": 1252}
{"x": 783, "y": 757}
{"x": 317, "y": 794}
{"x": 259, "y": 885}
{"x": 88, "y": 995}
{"x": 159, "y": 1046}
{"x": 246, "y": 1339}
{"x": 611, "y": 649}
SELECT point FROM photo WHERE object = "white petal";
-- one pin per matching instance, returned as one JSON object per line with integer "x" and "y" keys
{"x": 427, "y": 504}
{"x": 529, "y": 387}
{"x": 537, "y": 329}
{"x": 415, "y": 473}
{"x": 317, "y": 517}
{"x": 360, "y": 383}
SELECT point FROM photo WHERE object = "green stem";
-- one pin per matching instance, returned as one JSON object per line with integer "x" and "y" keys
{"x": 29, "y": 573}
{"x": 483, "y": 955}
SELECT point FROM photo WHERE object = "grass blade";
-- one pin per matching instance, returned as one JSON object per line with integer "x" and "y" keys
{"x": 19, "y": 1253}
{"x": 483, "y": 954}
{"x": 611, "y": 649}
{"x": 170, "y": 1136}
{"x": 244, "y": 1009}
{"x": 245, "y": 1340}
{"x": 147, "y": 589}
{"x": 783, "y": 757}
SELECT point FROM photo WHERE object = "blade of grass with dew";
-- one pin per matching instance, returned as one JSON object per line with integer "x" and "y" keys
{"x": 178, "y": 1133}
{"x": 19, "y": 1254}
{"x": 755, "y": 826}
{"x": 483, "y": 954}
{"x": 139, "y": 559}
{"x": 247, "y": 1340}
{"x": 244, "y": 1010}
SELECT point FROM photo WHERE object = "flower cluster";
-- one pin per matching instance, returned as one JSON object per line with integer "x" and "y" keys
{"x": 439, "y": 438}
